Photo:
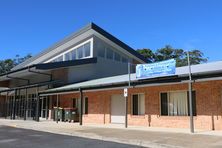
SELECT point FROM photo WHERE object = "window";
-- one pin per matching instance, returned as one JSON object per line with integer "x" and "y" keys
{"x": 117, "y": 56}
{"x": 124, "y": 60}
{"x": 59, "y": 59}
{"x": 101, "y": 52}
{"x": 109, "y": 53}
{"x": 74, "y": 103}
{"x": 76, "y": 53}
{"x": 73, "y": 54}
{"x": 177, "y": 103}
{"x": 80, "y": 52}
{"x": 67, "y": 56}
{"x": 87, "y": 50}
{"x": 85, "y": 105}
{"x": 138, "y": 104}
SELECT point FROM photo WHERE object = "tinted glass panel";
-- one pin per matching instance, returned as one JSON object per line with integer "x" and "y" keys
{"x": 117, "y": 57}
{"x": 80, "y": 52}
{"x": 101, "y": 52}
{"x": 73, "y": 54}
{"x": 87, "y": 50}
{"x": 124, "y": 60}
{"x": 193, "y": 103}
{"x": 135, "y": 104}
{"x": 109, "y": 53}
{"x": 164, "y": 104}
{"x": 67, "y": 56}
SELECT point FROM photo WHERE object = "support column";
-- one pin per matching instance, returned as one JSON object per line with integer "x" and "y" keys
{"x": 25, "y": 104}
{"x": 190, "y": 94}
{"x": 81, "y": 106}
{"x": 19, "y": 104}
{"x": 57, "y": 108}
{"x": 126, "y": 114}
{"x": 14, "y": 105}
{"x": 7, "y": 105}
{"x": 37, "y": 106}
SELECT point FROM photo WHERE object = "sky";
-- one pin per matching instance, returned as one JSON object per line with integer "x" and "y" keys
{"x": 30, "y": 26}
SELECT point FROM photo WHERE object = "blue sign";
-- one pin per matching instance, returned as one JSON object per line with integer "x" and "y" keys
{"x": 158, "y": 69}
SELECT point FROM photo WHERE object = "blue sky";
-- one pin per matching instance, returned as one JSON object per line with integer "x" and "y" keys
{"x": 29, "y": 26}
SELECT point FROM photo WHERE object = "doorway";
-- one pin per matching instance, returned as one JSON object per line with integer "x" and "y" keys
{"x": 118, "y": 109}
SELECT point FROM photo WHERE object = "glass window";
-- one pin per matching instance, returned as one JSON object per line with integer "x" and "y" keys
{"x": 124, "y": 60}
{"x": 87, "y": 50}
{"x": 85, "y": 105}
{"x": 138, "y": 104}
{"x": 109, "y": 53}
{"x": 67, "y": 56}
{"x": 101, "y": 52}
{"x": 73, "y": 54}
{"x": 59, "y": 59}
{"x": 80, "y": 52}
{"x": 176, "y": 104}
{"x": 117, "y": 56}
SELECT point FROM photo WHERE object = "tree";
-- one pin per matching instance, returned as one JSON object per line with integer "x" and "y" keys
{"x": 147, "y": 53}
{"x": 168, "y": 52}
{"x": 7, "y": 64}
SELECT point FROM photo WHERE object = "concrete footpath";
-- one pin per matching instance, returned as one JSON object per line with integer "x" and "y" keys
{"x": 140, "y": 136}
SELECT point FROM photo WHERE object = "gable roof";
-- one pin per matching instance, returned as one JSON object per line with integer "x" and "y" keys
{"x": 81, "y": 31}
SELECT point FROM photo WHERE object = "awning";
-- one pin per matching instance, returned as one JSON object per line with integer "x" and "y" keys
{"x": 45, "y": 67}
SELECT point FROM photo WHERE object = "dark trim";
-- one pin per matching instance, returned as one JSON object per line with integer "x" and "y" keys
{"x": 17, "y": 70}
{"x": 17, "y": 78}
{"x": 55, "y": 65}
{"x": 32, "y": 85}
{"x": 63, "y": 64}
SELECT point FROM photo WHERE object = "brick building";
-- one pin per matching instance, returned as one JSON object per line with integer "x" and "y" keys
{"x": 89, "y": 71}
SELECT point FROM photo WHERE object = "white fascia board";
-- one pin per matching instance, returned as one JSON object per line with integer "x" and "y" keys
{"x": 74, "y": 48}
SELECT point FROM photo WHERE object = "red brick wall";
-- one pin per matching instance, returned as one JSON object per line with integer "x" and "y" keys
{"x": 4, "y": 84}
{"x": 208, "y": 105}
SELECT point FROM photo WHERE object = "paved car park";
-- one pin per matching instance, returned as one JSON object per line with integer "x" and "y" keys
{"x": 73, "y": 135}
{"x": 22, "y": 138}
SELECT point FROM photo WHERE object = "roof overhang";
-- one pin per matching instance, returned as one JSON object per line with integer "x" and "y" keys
{"x": 45, "y": 67}
{"x": 134, "y": 83}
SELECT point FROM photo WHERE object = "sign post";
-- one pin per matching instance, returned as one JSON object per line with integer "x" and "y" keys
{"x": 190, "y": 95}
{"x": 126, "y": 106}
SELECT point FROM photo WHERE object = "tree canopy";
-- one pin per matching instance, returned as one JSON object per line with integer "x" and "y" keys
{"x": 168, "y": 52}
{"x": 7, "y": 64}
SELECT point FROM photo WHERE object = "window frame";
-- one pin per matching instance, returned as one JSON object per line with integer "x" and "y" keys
{"x": 74, "y": 48}
{"x": 138, "y": 104}
{"x": 84, "y": 106}
{"x": 160, "y": 109}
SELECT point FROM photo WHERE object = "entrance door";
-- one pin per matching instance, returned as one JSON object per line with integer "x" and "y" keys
{"x": 43, "y": 104}
{"x": 117, "y": 109}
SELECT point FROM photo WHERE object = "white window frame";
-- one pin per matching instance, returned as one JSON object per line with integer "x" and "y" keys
{"x": 74, "y": 48}
{"x": 138, "y": 104}
{"x": 84, "y": 105}
{"x": 168, "y": 96}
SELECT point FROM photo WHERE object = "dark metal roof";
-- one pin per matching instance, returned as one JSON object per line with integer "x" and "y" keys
{"x": 81, "y": 31}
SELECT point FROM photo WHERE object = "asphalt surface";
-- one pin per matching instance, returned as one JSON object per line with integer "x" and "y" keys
{"x": 11, "y": 137}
